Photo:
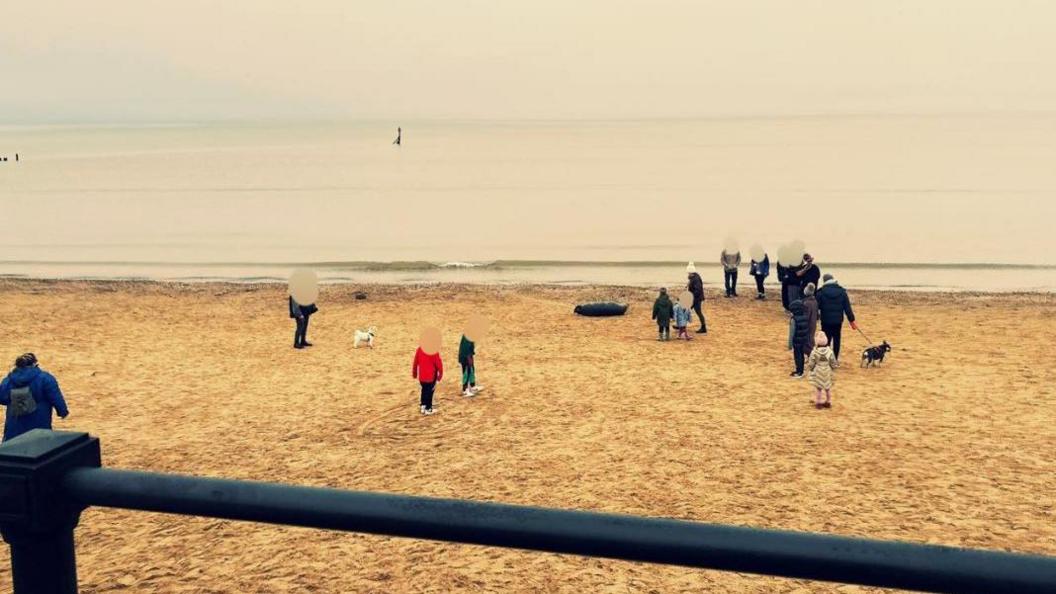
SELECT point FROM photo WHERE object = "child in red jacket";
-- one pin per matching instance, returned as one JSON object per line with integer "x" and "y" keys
{"x": 428, "y": 369}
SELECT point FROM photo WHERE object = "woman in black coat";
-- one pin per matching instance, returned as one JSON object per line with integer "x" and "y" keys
{"x": 696, "y": 287}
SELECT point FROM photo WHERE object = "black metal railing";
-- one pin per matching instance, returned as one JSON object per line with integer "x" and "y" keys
{"x": 51, "y": 476}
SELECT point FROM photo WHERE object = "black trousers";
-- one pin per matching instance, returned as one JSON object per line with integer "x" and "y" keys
{"x": 731, "y": 282}
{"x": 700, "y": 314}
{"x": 427, "y": 394}
{"x": 759, "y": 284}
{"x": 799, "y": 354}
{"x": 833, "y": 332}
{"x": 300, "y": 334}
{"x": 664, "y": 328}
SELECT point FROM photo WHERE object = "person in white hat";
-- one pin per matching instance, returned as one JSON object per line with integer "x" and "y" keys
{"x": 696, "y": 287}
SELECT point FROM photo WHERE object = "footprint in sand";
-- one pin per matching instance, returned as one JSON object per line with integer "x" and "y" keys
{"x": 404, "y": 421}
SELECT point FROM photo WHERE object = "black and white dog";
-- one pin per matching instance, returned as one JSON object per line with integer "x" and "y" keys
{"x": 875, "y": 355}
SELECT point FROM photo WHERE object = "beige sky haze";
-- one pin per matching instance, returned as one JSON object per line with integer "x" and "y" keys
{"x": 115, "y": 60}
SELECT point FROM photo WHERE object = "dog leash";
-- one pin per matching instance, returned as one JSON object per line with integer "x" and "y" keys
{"x": 865, "y": 337}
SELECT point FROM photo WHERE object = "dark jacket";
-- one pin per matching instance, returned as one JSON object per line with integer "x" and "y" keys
{"x": 790, "y": 275}
{"x": 810, "y": 275}
{"x": 810, "y": 306}
{"x": 297, "y": 310}
{"x": 802, "y": 323}
{"x": 45, "y": 391}
{"x": 696, "y": 286}
{"x": 782, "y": 272}
{"x": 833, "y": 303}
{"x": 761, "y": 268}
{"x": 663, "y": 309}
{"x": 466, "y": 350}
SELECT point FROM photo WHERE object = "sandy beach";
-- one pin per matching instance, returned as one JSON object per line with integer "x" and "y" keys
{"x": 945, "y": 444}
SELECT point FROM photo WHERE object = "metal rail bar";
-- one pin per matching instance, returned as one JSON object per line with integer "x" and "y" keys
{"x": 690, "y": 544}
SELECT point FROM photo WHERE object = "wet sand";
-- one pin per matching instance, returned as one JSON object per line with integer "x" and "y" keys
{"x": 951, "y": 442}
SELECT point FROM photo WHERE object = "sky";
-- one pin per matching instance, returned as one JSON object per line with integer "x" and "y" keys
{"x": 136, "y": 60}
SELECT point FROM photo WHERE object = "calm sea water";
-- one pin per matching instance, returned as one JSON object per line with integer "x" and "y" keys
{"x": 548, "y": 201}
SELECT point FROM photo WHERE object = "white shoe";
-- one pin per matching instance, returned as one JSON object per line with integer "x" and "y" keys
{"x": 429, "y": 411}
{"x": 422, "y": 409}
{"x": 469, "y": 393}
{"x": 476, "y": 389}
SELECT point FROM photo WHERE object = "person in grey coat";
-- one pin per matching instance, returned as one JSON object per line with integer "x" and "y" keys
{"x": 730, "y": 262}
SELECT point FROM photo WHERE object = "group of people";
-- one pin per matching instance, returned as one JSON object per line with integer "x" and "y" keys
{"x": 808, "y": 297}
{"x": 428, "y": 369}
{"x": 665, "y": 309}
{"x": 30, "y": 394}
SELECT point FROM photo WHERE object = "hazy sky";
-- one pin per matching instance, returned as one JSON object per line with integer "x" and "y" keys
{"x": 112, "y": 60}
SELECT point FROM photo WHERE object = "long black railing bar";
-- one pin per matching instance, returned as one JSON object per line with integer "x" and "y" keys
{"x": 691, "y": 544}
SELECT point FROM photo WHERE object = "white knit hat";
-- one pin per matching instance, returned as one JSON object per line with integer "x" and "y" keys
{"x": 691, "y": 268}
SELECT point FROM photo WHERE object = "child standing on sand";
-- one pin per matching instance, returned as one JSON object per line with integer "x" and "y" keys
{"x": 427, "y": 369}
{"x": 466, "y": 351}
{"x": 662, "y": 313}
{"x": 683, "y": 315}
{"x": 822, "y": 366}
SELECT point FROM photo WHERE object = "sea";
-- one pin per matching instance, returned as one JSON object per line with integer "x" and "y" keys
{"x": 951, "y": 202}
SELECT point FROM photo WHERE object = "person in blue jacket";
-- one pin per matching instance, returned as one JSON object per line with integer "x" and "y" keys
{"x": 30, "y": 394}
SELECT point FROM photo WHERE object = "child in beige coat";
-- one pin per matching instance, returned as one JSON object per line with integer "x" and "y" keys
{"x": 822, "y": 366}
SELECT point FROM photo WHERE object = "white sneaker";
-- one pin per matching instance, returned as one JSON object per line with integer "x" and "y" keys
{"x": 476, "y": 389}
{"x": 422, "y": 409}
{"x": 469, "y": 393}
{"x": 429, "y": 411}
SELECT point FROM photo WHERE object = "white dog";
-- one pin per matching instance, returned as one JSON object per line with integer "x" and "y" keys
{"x": 367, "y": 337}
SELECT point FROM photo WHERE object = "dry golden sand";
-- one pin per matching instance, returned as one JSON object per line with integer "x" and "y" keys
{"x": 950, "y": 443}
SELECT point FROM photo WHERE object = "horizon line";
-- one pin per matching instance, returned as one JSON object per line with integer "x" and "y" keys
{"x": 395, "y": 264}
{"x": 234, "y": 119}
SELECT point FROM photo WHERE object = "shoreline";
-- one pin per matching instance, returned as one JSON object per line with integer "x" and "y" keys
{"x": 914, "y": 278}
{"x": 345, "y": 288}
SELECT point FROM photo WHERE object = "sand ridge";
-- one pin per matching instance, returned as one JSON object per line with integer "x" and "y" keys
{"x": 950, "y": 443}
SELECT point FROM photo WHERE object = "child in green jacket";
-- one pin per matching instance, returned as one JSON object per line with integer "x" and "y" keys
{"x": 663, "y": 311}
{"x": 466, "y": 351}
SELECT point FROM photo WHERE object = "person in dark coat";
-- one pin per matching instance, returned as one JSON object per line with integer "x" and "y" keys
{"x": 833, "y": 305}
{"x": 30, "y": 394}
{"x": 808, "y": 273}
{"x": 791, "y": 283}
{"x": 467, "y": 350}
{"x": 782, "y": 277}
{"x": 810, "y": 305}
{"x": 301, "y": 313}
{"x": 696, "y": 287}
{"x": 663, "y": 311}
{"x": 760, "y": 270}
{"x": 800, "y": 335}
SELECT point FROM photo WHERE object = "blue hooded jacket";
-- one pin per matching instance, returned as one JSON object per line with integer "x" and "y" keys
{"x": 45, "y": 391}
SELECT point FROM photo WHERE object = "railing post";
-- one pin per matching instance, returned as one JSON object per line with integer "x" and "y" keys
{"x": 36, "y": 520}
